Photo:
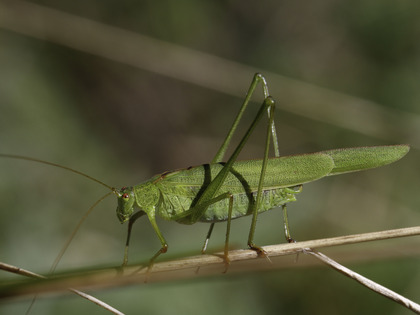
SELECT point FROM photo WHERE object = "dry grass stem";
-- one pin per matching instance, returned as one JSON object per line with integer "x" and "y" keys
{"x": 184, "y": 268}
{"x": 366, "y": 282}
{"x": 188, "y": 65}
{"x": 86, "y": 296}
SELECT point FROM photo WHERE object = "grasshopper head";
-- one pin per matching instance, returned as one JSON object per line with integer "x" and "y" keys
{"x": 125, "y": 206}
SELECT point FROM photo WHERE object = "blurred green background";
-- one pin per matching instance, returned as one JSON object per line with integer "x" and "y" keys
{"x": 75, "y": 91}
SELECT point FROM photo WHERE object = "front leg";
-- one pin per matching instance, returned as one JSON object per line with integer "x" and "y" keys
{"x": 133, "y": 219}
{"x": 151, "y": 216}
{"x": 164, "y": 248}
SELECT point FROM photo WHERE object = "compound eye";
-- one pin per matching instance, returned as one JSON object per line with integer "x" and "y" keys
{"x": 125, "y": 196}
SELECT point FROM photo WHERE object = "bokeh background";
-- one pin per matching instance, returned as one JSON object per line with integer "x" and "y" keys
{"x": 125, "y": 90}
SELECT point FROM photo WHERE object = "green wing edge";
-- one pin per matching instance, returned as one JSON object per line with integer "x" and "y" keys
{"x": 362, "y": 158}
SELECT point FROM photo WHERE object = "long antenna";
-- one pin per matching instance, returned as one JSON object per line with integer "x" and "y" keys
{"x": 66, "y": 245}
{"x": 26, "y": 158}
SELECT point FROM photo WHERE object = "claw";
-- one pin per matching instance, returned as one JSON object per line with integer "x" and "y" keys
{"x": 261, "y": 252}
{"x": 227, "y": 262}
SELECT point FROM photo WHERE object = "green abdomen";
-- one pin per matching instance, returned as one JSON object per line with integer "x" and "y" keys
{"x": 243, "y": 204}
{"x": 181, "y": 189}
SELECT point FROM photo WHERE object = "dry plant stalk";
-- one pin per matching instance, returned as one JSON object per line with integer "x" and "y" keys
{"x": 366, "y": 282}
{"x": 188, "y": 65}
{"x": 27, "y": 273}
{"x": 209, "y": 264}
